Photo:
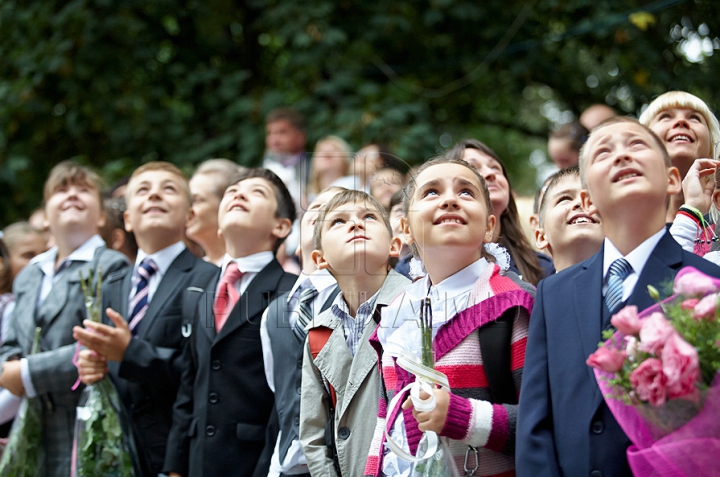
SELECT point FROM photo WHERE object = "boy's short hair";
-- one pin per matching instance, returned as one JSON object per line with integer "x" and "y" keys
{"x": 71, "y": 173}
{"x": 615, "y": 120}
{"x": 682, "y": 99}
{"x": 574, "y": 131}
{"x": 161, "y": 166}
{"x": 340, "y": 199}
{"x": 396, "y": 199}
{"x": 295, "y": 119}
{"x": 285, "y": 203}
{"x": 553, "y": 181}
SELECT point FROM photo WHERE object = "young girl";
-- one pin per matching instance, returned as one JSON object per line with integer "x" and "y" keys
{"x": 532, "y": 266}
{"x": 448, "y": 220}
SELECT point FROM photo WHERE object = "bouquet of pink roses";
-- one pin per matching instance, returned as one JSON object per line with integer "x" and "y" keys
{"x": 659, "y": 375}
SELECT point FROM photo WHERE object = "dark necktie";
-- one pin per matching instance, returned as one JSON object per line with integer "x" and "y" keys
{"x": 304, "y": 310}
{"x": 139, "y": 302}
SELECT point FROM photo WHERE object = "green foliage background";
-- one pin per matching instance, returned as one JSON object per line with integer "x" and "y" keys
{"x": 117, "y": 83}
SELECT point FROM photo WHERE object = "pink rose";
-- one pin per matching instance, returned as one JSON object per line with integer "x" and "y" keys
{"x": 691, "y": 281}
{"x": 681, "y": 368}
{"x": 654, "y": 332}
{"x": 648, "y": 381}
{"x": 706, "y": 307}
{"x": 689, "y": 304}
{"x": 626, "y": 320}
{"x": 607, "y": 359}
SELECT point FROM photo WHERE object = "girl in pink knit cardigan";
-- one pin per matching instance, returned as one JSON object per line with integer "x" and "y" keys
{"x": 448, "y": 221}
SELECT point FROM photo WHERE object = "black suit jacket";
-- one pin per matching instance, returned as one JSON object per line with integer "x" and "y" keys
{"x": 224, "y": 403}
{"x": 149, "y": 374}
{"x": 564, "y": 426}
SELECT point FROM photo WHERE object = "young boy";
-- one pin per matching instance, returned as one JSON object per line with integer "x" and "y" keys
{"x": 145, "y": 303}
{"x": 564, "y": 425}
{"x": 224, "y": 403}
{"x": 48, "y": 295}
{"x": 353, "y": 241}
{"x": 283, "y": 338}
{"x": 566, "y": 231}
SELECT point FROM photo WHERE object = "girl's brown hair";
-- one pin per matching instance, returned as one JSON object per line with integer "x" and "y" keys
{"x": 511, "y": 236}
{"x": 409, "y": 192}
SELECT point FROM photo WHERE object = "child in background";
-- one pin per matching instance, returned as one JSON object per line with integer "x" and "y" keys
{"x": 48, "y": 295}
{"x": 353, "y": 241}
{"x": 396, "y": 214}
{"x": 385, "y": 183}
{"x": 564, "y": 144}
{"x": 24, "y": 242}
{"x": 566, "y": 231}
{"x": 564, "y": 425}
{"x": 532, "y": 266}
{"x": 448, "y": 220}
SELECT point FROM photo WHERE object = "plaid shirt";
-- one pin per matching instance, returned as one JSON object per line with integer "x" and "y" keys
{"x": 353, "y": 327}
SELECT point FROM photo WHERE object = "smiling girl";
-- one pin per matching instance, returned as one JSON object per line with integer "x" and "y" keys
{"x": 448, "y": 219}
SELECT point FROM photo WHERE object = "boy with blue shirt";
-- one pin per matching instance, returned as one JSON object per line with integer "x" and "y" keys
{"x": 564, "y": 425}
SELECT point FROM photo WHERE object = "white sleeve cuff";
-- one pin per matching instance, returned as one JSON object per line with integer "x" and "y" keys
{"x": 25, "y": 376}
{"x": 480, "y": 423}
{"x": 684, "y": 230}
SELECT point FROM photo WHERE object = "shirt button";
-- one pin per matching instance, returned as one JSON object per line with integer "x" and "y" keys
{"x": 297, "y": 420}
{"x": 214, "y": 398}
{"x": 595, "y": 473}
{"x": 597, "y": 427}
{"x": 299, "y": 390}
{"x": 343, "y": 433}
{"x": 210, "y": 431}
{"x": 299, "y": 364}
{"x": 216, "y": 365}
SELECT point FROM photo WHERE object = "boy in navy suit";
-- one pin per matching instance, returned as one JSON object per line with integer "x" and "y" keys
{"x": 224, "y": 402}
{"x": 48, "y": 295}
{"x": 564, "y": 425}
{"x": 145, "y": 303}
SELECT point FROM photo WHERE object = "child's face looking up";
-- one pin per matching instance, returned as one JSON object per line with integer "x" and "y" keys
{"x": 448, "y": 211}
{"x": 354, "y": 239}
{"x": 623, "y": 164}
{"x": 75, "y": 207}
{"x": 565, "y": 220}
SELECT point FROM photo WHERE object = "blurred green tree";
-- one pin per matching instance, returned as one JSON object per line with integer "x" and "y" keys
{"x": 116, "y": 83}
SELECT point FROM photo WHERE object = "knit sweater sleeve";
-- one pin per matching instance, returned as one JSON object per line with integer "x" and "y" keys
{"x": 491, "y": 425}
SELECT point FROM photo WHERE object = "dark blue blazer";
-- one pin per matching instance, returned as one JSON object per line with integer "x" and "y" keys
{"x": 564, "y": 426}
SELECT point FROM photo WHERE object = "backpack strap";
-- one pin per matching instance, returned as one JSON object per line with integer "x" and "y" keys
{"x": 190, "y": 300}
{"x": 317, "y": 339}
{"x": 495, "y": 344}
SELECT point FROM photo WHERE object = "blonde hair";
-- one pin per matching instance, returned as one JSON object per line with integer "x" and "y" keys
{"x": 682, "y": 99}
{"x": 221, "y": 171}
{"x": 160, "y": 166}
{"x": 345, "y": 150}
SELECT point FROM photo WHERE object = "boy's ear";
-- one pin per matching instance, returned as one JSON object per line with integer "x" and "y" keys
{"x": 126, "y": 219}
{"x": 319, "y": 260}
{"x": 587, "y": 203}
{"x": 406, "y": 230}
{"x": 674, "y": 181}
{"x": 490, "y": 228}
{"x": 541, "y": 241}
{"x": 101, "y": 220}
{"x": 282, "y": 228}
{"x": 395, "y": 246}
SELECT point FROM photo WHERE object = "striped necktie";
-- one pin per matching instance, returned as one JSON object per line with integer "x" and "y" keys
{"x": 139, "y": 303}
{"x": 304, "y": 309}
{"x": 617, "y": 273}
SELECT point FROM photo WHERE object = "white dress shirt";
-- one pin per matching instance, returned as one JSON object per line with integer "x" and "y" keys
{"x": 249, "y": 266}
{"x": 324, "y": 283}
{"x": 163, "y": 259}
{"x": 637, "y": 259}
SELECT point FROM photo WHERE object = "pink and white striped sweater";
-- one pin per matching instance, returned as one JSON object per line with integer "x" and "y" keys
{"x": 472, "y": 419}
